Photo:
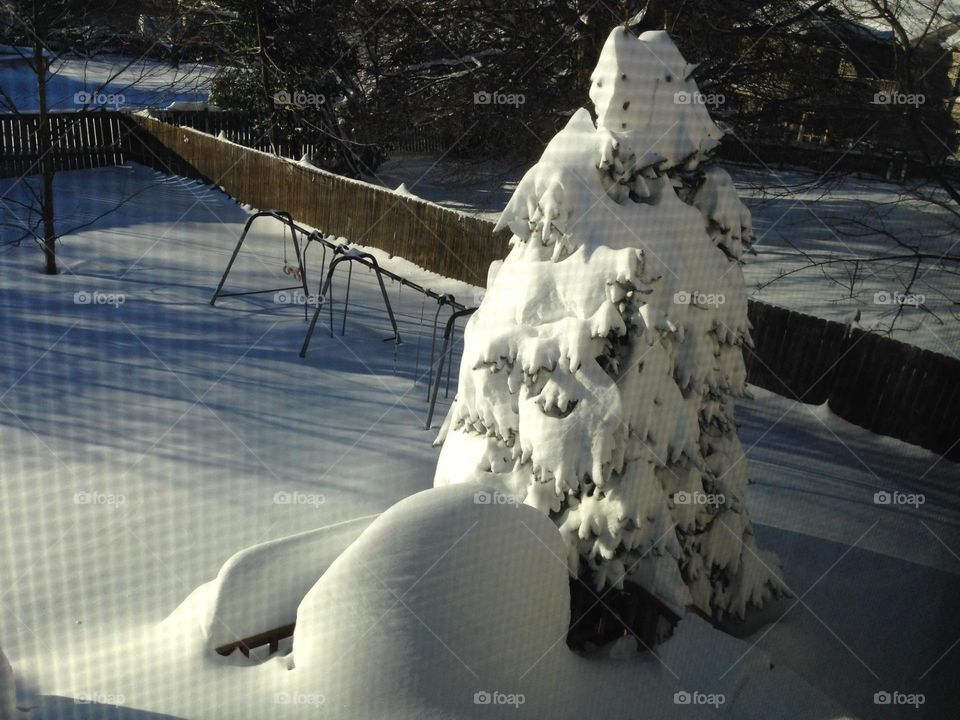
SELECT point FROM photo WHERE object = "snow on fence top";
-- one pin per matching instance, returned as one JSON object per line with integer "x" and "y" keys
{"x": 447, "y": 242}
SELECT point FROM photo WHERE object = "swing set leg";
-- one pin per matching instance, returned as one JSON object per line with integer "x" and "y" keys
{"x": 316, "y": 311}
{"x": 287, "y": 220}
{"x": 233, "y": 257}
{"x": 303, "y": 271}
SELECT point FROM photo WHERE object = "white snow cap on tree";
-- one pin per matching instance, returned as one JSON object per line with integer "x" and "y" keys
{"x": 635, "y": 89}
{"x": 599, "y": 373}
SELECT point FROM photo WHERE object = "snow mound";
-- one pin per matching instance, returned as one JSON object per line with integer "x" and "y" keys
{"x": 454, "y": 604}
{"x": 259, "y": 588}
{"x": 402, "y": 189}
{"x": 443, "y": 597}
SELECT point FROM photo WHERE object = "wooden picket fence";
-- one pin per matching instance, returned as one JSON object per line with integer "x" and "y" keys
{"x": 883, "y": 385}
{"x": 81, "y": 140}
{"x": 238, "y": 126}
{"x": 886, "y": 386}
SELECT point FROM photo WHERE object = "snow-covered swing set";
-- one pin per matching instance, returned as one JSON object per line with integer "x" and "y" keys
{"x": 344, "y": 253}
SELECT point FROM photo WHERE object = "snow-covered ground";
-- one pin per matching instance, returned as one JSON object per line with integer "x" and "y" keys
{"x": 111, "y": 82}
{"x": 144, "y": 439}
{"x": 800, "y": 212}
{"x": 800, "y": 217}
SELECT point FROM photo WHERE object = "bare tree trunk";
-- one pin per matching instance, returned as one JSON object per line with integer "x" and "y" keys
{"x": 46, "y": 162}
{"x": 265, "y": 84}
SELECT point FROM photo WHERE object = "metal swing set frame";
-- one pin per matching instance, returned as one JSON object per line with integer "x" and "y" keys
{"x": 343, "y": 253}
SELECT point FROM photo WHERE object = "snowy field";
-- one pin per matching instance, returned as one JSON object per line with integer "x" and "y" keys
{"x": 108, "y": 81}
{"x": 799, "y": 217}
{"x": 145, "y": 437}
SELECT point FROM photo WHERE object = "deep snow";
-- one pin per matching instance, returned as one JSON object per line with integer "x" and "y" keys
{"x": 260, "y": 588}
{"x": 103, "y": 400}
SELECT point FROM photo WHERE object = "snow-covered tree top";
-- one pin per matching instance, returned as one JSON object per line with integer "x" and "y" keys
{"x": 642, "y": 89}
{"x": 650, "y": 120}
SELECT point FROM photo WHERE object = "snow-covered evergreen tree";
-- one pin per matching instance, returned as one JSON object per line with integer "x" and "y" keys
{"x": 599, "y": 373}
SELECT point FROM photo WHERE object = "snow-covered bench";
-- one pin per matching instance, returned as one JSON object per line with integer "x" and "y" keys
{"x": 254, "y": 598}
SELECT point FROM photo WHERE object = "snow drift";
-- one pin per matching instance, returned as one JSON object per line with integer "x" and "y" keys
{"x": 259, "y": 588}
{"x": 452, "y": 605}
{"x": 452, "y": 597}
